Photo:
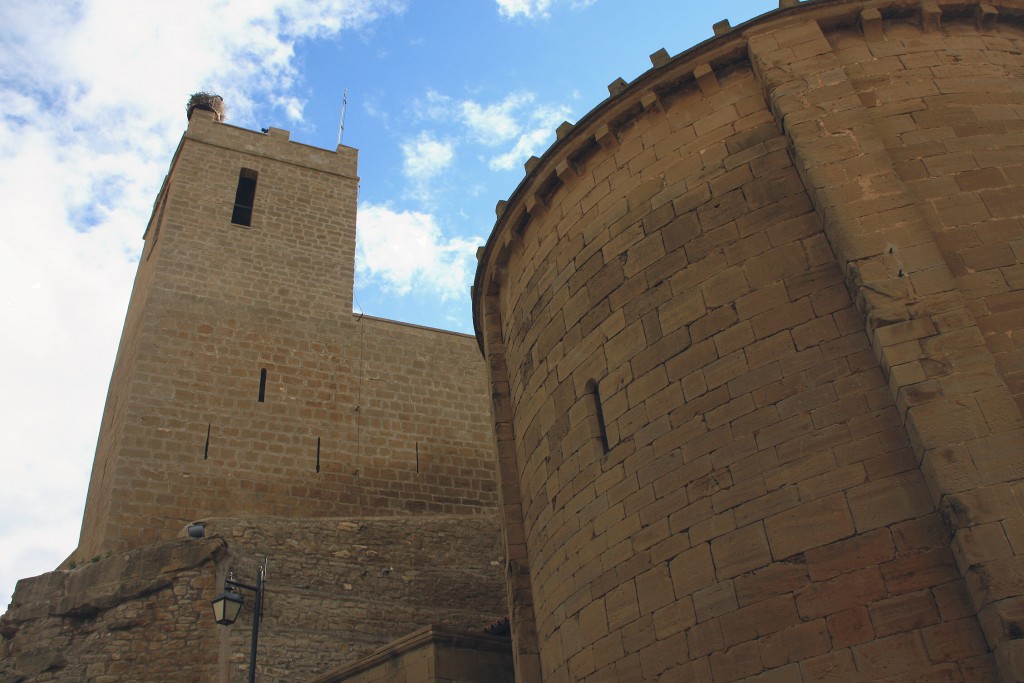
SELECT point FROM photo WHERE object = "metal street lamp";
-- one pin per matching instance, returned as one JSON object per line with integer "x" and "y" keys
{"x": 226, "y": 607}
{"x": 228, "y": 604}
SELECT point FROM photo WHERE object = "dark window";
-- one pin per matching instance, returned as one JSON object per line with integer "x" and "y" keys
{"x": 263, "y": 385}
{"x": 595, "y": 393}
{"x": 245, "y": 195}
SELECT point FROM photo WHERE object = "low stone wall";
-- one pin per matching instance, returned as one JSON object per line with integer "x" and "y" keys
{"x": 336, "y": 591}
{"x": 117, "y": 618}
{"x": 339, "y": 589}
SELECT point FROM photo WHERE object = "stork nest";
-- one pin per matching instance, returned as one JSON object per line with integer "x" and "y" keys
{"x": 207, "y": 101}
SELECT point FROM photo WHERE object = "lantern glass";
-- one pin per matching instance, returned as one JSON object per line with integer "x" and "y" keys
{"x": 226, "y": 607}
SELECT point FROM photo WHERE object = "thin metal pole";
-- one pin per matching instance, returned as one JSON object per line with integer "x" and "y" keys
{"x": 341, "y": 124}
{"x": 257, "y": 612}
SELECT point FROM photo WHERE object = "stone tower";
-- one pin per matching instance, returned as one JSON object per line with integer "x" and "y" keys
{"x": 244, "y": 385}
{"x": 753, "y": 327}
{"x": 351, "y": 456}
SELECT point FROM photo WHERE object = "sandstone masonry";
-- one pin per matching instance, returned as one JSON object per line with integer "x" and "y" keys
{"x": 336, "y": 591}
{"x": 752, "y": 338}
{"x": 351, "y": 455}
{"x": 244, "y": 385}
{"x": 753, "y": 331}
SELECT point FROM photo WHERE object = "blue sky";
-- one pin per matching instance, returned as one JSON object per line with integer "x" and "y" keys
{"x": 446, "y": 101}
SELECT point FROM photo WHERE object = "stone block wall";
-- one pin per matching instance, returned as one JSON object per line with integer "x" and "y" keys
{"x": 755, "y": 410}
{"x": 947, "y": 106}
{"x": 340, "y": 589}
{"x": 244, "y": 384}
{"x": 336, "y": 591}
{"x": 432, "y": 655}
{"x": 424, "y": 440}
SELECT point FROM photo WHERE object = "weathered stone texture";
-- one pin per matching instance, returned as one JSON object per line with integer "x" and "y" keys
{"x": 336, "y": 591}
{"x": 339, "y": 589}
{"x": 117, "y": 618}
{"x": 753, "y": 358}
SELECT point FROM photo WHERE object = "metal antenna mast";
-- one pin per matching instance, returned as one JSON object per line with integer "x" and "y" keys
{"x": 341, "y": 124}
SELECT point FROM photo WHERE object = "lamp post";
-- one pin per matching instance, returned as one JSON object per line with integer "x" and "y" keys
{"x": 228, "y": 604}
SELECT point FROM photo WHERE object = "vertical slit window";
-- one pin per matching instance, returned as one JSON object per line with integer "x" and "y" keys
{"x": 245, "y": 196}
{"x": 263, "y": 385}
{"x": 595, "y": 393}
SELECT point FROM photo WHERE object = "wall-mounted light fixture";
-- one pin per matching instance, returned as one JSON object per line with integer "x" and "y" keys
{"x": 228, "y": 604}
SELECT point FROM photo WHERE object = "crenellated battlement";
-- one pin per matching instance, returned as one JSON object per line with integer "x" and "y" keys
{"x": 699, "y": 67}
{"x": 274, "y": 144}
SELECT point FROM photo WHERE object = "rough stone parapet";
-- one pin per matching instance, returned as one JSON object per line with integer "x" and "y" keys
{"x": 116, "y": 617}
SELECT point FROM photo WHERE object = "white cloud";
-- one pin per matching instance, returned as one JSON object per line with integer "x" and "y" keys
{"x": 516, "y": 119}
{"x": 94, "y": 94}
{"x": 425, "y": 157}
{"x": 528, "y": 145}
{"x": 403, "y": 250}
{"x": 535, "y": 9}
{"x": 495, "y": 123}
{"x": 435, "y": 106}
{"x": 527, "y": 8}
{"x": 543, "y": 122}
{"x": 292, "y": 107}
